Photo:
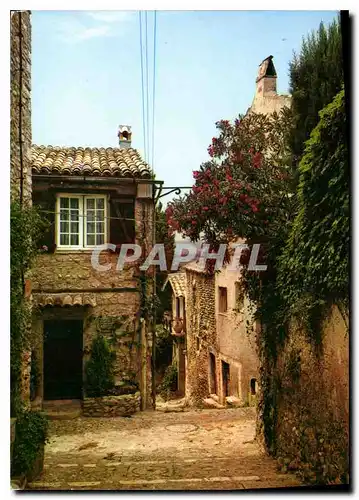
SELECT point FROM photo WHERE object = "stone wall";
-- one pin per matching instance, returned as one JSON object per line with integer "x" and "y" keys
{"x": 115, "y": 303}
{"x": 20, "y": 100}
{"x": 312, "y": 432}
{"x": 201, "y": 334}
{"x": 74, "y": 271}
{"x": 112, "y": 406}
{"x": 20, "y": 132}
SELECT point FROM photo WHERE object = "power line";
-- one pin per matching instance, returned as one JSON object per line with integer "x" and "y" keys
{"x": 143, "y": 93}
{"x": 147, "y": 89}
{"x": 154, "y": 88}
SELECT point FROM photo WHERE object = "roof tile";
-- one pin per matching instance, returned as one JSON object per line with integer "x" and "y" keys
{"x": 100, "y": 162}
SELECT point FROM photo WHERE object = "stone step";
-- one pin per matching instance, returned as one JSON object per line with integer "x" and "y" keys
{"x": 63, "y": 415}
{"x": 211, "y": 403}
{"x": 233, "y": 401}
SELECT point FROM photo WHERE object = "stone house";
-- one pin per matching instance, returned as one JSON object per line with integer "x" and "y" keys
{"x": 215, "y": 358}
{"x": 175, "y": 322}
{"x": 90, "y": 196}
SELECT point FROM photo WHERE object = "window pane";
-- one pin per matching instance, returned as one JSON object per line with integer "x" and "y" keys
{"x": 74, "y": 239}
{"x": 100, "y": 227}
{"x": 64, "y": 202}
{"x": 90, "y": 239}
{"x": 74, "y": 202}
{"x": 64, "y": 239}
{"x": 64, "y": 215}
{"x": 100, "y": 240}
{"x": 90, "y": 215}
{"x": 90, "y": 227}
{"x": 95, "y": 221}
{"x": 64, "y": 227}
{"x": 74, "y": 227}
{"x": 74, "y": 215}
{"x": 100, "y": 203}
{"x": 100, "y": 215}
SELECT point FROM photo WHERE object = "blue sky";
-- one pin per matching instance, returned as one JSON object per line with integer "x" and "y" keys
{"x": 86, "y": 76}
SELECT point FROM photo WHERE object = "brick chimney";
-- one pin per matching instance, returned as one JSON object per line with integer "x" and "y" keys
{"x": 124, "y": 136}
{"x": 267, "y": 78}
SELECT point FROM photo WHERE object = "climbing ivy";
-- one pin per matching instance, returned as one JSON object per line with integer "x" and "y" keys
{"x": 31, "y": 435}
{"x": 26, "y": 228}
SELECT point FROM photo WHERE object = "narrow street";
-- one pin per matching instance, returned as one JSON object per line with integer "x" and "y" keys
{"x": 193, "y": 450}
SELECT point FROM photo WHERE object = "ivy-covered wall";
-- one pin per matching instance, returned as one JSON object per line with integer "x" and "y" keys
{"x": 312, "y": 422}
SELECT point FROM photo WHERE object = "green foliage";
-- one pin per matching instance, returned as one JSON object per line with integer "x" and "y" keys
{"x": 169, "y": 382}
{"x": 245, "y": 190}
{"x": 31, "y": 435}
{"x": 165, "y": 237}
{"x": 315, "y": 264}
{"x": 100, "y": 368}
{"x": 26, "y": 228}
{"x": 164, "y": 345}
{"x": 316, "y": 76}
{"x": 34, "y": 375}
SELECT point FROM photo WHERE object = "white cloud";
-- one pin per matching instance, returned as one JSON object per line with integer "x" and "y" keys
{"x": 92, "y": 33}
{"x": 78, "y": 28}
{"x": 111, "y": 16}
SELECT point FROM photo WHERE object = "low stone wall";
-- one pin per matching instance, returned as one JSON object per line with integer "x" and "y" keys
{"x": 112, "y": 406}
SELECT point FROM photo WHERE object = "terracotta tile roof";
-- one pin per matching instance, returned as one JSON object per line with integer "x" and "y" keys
{"x": 64, "y": 299}
{"x": 100, "y": 162}
{"x": 195, "y": 266}
{"x": 178, "y": 283}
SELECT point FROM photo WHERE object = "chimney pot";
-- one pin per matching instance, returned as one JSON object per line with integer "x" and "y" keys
{"x": 124, "y": 136}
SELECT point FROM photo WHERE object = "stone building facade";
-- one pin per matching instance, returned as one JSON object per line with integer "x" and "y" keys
{"x": 215, "y": 358}
{"x": 201, "y": 333}
{"x": 20, "y": 101}
{"x": 90, "y": 197}
{"x": 20, "y": 135}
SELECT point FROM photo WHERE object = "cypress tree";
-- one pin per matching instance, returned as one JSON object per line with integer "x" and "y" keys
{"x": 316, "y": 76}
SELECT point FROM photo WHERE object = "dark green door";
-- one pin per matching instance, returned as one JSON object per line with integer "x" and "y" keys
{"x": 63, "y": 359}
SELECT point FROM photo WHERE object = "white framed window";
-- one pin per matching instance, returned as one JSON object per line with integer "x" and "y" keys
{"x": 81, "y": 221}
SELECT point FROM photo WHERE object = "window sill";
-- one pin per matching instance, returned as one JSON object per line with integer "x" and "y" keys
{"x": 76, "y": 250}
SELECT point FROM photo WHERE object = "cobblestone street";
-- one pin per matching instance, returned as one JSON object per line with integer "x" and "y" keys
{"x": 194, "y": 450}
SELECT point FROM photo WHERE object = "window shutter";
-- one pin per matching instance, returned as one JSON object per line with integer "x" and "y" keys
{"x": 122, "y": 230}
{"x": 46, "y": 203}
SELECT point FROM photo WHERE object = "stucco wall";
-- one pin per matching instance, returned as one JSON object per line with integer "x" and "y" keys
{"x": 235, "y": 346}
{"x": 268, "y": 104}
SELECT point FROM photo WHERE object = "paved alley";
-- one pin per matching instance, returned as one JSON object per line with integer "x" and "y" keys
{"x": 193, "y": 450}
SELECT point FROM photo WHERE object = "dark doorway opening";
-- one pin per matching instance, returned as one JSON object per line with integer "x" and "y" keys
{"x": 63, "y": 359}
{"x": 212, "y": 373}
{"x": 253, "y": 386}
{"x": 225, "y": 378}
